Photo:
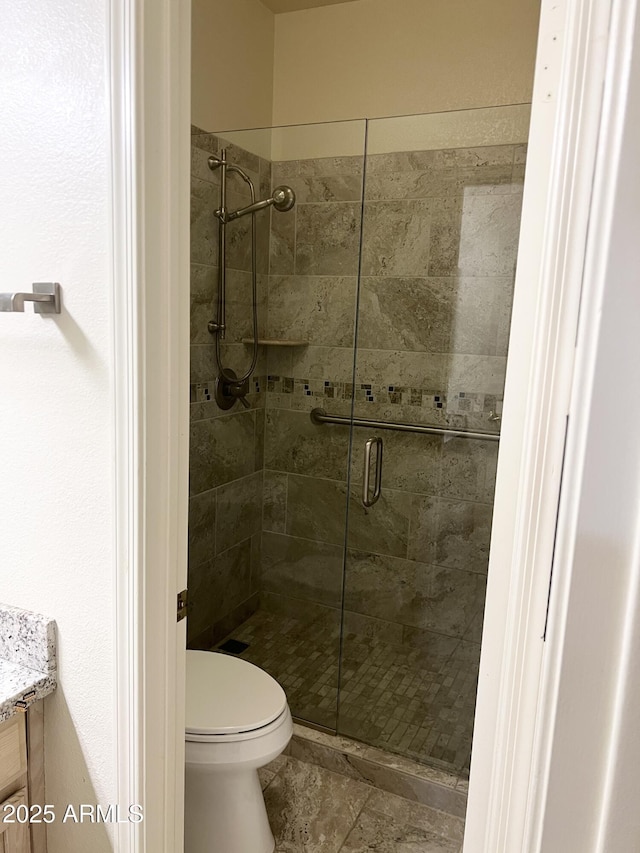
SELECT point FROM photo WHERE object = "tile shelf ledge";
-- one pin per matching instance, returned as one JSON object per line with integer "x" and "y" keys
{"x": 276, "y": 342}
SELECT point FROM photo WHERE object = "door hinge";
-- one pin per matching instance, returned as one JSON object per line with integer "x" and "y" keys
{"x": 182, "y": 604}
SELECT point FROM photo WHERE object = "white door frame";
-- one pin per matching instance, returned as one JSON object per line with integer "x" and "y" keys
{"x": 590, "y": 682}
{"x": 579, "y": 51}
{"x": 150, "y": 53}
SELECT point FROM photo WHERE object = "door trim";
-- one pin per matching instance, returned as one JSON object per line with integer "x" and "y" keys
{"x": 589, "y": 686}
{"x": 504, "y": 811}
{"x": 149, "y": 95}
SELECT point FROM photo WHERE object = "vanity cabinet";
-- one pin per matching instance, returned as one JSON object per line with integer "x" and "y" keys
{"x": 14, "y": 837}
{"x": 21, "y": 780}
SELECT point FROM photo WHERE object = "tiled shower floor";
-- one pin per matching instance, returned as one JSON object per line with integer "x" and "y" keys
{"x": 393, "y": 696}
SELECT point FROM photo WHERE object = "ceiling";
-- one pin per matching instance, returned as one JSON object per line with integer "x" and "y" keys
{"x": 296, "y": 5}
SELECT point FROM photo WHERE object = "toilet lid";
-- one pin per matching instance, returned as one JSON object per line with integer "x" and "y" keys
{"x": 227, "y": 694}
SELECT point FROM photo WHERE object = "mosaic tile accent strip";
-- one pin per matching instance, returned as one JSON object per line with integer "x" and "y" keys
{"x": 455, "y": 402}
{"x": 466, "y": 403}
{"x": 203, "y": 392}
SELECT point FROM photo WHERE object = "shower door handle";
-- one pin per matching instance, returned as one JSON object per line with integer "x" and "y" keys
{"x": 366, "y": 478}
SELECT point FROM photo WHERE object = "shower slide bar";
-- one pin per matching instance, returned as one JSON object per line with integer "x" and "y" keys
{"x": 319, "y": 416}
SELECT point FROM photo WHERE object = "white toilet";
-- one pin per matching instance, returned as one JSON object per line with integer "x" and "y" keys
{"x": 237, "y": 720}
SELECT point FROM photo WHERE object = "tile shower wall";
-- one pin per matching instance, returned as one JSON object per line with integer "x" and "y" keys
{"x": 312, "y": 292}
{"x": 313, "y": 281}
{"x": 440, "y": 237}
{"x": 440, "y": 240}
{"x": 226, "y": 448}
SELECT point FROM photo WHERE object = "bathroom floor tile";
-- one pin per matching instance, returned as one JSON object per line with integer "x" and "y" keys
{"x": 312, "y": 810}
{"x": 408, "y": 813}
{"x": 378, "y": 833}
{"x": 265, "y": 777}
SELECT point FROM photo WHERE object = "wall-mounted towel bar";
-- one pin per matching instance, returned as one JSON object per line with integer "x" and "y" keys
{"x": 319, "y": 416}
{"x": 46, "y": 298}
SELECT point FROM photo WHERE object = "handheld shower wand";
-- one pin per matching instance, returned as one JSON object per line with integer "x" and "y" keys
{"x": 229, "y": 387}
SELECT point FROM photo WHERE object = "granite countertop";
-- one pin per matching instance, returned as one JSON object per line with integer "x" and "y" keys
{"x": 27, "y": 659}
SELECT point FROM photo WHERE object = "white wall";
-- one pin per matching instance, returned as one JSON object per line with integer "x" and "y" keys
{"x": 232, "y": 64}
{"x": 56, "y": 453}
{"x": 373, "y": 58}
{"x": 507, "y": 125}
{"x": 366, "y": 58}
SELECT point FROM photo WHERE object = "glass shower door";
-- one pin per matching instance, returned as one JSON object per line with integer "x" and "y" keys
{"x": 269, "y": 487}
{"x": 440, "y": 231}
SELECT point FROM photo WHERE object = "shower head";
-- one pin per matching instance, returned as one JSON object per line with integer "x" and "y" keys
{"x": 283, "y": 199}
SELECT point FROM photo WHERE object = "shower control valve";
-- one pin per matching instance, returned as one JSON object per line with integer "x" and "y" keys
{"x": 228, "y": 391}
{"x": 216, "y": 328}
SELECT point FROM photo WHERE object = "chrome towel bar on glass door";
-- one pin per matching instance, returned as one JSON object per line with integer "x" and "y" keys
{"x": 319, "y": 416}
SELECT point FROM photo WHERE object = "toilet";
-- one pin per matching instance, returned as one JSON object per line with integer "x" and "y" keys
{"x": 237, "y": 720}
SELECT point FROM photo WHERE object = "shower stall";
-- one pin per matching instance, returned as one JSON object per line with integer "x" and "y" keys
{"x": 349, "y": 340}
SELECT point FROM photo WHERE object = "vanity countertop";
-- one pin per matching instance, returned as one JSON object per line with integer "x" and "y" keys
{"x": 27, "y": 659}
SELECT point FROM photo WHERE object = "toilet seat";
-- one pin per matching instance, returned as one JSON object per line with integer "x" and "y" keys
{"x": 238, "y": 737}
{"x": 228, "y": 698}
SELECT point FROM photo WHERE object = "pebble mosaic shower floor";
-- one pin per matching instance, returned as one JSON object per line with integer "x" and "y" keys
{"x": 392, "y": 696}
